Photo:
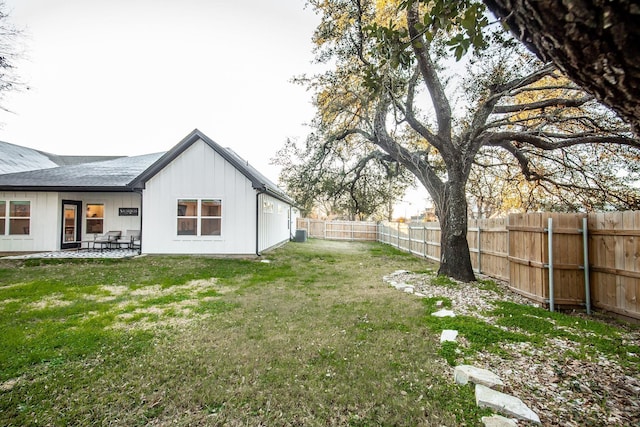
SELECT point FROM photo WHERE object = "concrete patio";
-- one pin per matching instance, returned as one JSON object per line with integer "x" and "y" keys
{"x": 85, "y": 253}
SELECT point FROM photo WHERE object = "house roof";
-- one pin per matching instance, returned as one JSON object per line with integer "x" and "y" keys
{"x": 121, "y": 174}
{"x": 110, "y": 175}
{"x": 15, "y": 158}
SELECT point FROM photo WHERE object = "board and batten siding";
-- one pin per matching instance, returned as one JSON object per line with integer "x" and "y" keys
{"x": 199, "y": 172}
{"x": 274, "y": 223}
{"x": 44, "y": 233}
{"x": 112, "y": 203}
{"x": 45, "y": 228}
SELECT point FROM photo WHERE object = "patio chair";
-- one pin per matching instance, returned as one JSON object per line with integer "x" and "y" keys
{"x": 131, "y": 239}
{"x": 107, "y": 240}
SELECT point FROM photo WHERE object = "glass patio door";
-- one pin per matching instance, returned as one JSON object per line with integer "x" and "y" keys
{"x": 71, "y": 224}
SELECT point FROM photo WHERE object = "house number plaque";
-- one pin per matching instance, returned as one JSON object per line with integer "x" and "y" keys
{"x": 127, "y": 211}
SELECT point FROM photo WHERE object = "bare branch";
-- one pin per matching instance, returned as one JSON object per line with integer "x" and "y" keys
{"x": 546, "y": 142}
{"x": 545, "y": 103}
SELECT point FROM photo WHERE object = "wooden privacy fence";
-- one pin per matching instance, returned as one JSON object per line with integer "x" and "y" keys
{"x": 339, "y": 230}
{"x": 540, "y": 255}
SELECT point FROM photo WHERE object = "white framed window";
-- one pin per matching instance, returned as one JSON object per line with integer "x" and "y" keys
{"x": 95, "y": 218}
{"x": 3, "y": 217}
{"x": 267, "y": 206}
{"x": 199, "y": 217}
{"x": 15, "y": 217}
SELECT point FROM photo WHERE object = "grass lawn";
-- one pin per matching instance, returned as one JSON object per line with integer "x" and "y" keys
{"x": 313, "y": 337}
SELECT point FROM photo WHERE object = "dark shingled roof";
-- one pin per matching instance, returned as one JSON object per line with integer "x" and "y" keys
{"x": 14, "y": 158}
{"x": 111, "y": 175}
{"x": 64, "y": 160}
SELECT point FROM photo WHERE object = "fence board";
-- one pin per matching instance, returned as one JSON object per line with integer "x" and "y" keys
{"x": 515, "y": 249}
{"x": 339, "y": 230}
{"x": 491, "y": 257}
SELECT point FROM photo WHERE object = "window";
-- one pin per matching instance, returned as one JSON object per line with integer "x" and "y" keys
{"x": 199, "y": 217}
{"x": 19, "y": 216}
{"x": 211, "y": 217}
{"x": 3, "y": 217}
{"x": 95, "y": 218}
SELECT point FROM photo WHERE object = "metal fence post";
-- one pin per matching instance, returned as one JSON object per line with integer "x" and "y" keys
{"x": 479, "y": 252}
{"x": 424, "y": 240}
{"x": 585, "y": 251}
{"x": 550, "y": 233}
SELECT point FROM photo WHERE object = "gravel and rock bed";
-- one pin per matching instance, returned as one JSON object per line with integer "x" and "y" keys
{"x": 594, "y": 390}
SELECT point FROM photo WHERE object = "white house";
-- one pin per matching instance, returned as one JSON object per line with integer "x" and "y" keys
{"x": 197, "y": 198}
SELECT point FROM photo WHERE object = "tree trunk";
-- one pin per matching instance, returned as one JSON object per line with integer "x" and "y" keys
{"x": 596, "y": 43}
{"x": 451, "y": 209}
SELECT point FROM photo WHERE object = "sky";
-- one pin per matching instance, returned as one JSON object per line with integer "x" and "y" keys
{"x": 129, "y": 77}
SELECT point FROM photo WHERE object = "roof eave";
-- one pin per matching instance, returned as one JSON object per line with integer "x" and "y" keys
{"x": 276, "y": 194}
{"x": 72, "y": 189}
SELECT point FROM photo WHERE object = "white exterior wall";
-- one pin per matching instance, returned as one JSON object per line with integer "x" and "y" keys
{"x": 44, "y": 227}
{"x": 274, "y": 222}
{"x": 45, "y": 232}
{"x": 199, "y": 173}
{"x": 112, "y": 202}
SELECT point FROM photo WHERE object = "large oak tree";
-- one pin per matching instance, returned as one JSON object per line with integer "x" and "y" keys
{"x": 387, "y": 85}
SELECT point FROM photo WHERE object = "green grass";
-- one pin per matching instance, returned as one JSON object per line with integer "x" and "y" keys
{"x": 480, "y": 335}
{"x": 594, "y": 336}
{"x": 311, "y": 338}
{"x": 314, "y": 338}
{"x": 441, "y": 280}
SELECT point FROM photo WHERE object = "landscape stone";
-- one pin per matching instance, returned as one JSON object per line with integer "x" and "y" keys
{"x": 464, "y": 374}
{"x": 507, "y": 404}
{"x": 444, "y": 313}
{"x": 419, "y": 294}
{"x": 439, "y": 303}
{"x": 448, "y": 335}
{"x": 498, "y": 421}
{"x": 408, "y": 289}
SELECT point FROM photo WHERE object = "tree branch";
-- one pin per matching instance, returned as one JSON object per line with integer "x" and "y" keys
{"x": 428, "y": 70}
{"x": 411, "y": 117}
{"x": 545, "y": 103}
{"x": 547, "y": 142}
{"x": 411, "y": 160}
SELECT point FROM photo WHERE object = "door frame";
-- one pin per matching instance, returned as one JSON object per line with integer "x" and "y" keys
{"x": 76, "y": 243}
